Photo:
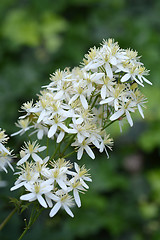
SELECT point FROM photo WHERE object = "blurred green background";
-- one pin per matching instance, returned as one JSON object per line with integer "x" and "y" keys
{"x": 36, "y": 38}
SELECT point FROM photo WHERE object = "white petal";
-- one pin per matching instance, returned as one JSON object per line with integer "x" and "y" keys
{"x": 27, "y": 197}
{"x": 140, "y": 110}
{"x": 42, "y": 115}
{"x": 36, "y": 158}
{"x": 97, "y": 76}
{"x": 61, "y": 184}
{"x": 146, "y": 80}
{"x": 61, "y": 125}
{"x": 4, "y": 149}
{"x": 89, "y": 151}
{"x": 103, "y": 91}
{"x": 24, "y": 159}
{"x": 113, "y": 60}
{"x": 84, "y": 184}
{"x": 129, "y": 118}
{"x": 17, "y": 186}
{"x": 84, "y": 101}
{"x": 76, "y": 197}
{"x": 125, "y": 77}
{"x": 92, "y": 65}
{"x": 41, "y": 201}
{"x": 66, "y": 208}
{"x": 52, "y": 196}
{"x": 135, "y": 79}
{"x": 55, "y": 209}
{"x": 79, "y": 120}
{"x": 59, "y": 95}
{"x": 52, "y": 131}
{"x": 49, "y": 201}
{"x": 73, "y": 98}
{"x": 16, "y": 133}
{"x": 117, "y": 114}
{"x": 60, "y": 136}
{"x": 77, "y": 168}
{"x": 116, "y": 105}
{"x": 79, "y": 153}
{"x": 80, "y": 137}
{"x": 107, "y": 100}
{"x": 40, "y": 149}
{"x": 40, "y": 134}
{"x": 109, "y": 70}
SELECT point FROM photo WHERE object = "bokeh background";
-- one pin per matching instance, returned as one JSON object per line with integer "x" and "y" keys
{"x": 36, "y": 38}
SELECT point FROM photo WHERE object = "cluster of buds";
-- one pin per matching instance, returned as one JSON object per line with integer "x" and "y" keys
{"x": 53, "y": 183}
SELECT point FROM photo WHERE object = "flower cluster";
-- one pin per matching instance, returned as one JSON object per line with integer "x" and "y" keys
{"x": 76, "y": 108}
{"x": 5, "y": 155}
{"x": 82, "y": 102}
{"x": 53, "y": 183}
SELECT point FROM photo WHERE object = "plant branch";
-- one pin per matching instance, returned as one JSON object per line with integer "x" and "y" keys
{"x": 7, "y": 218}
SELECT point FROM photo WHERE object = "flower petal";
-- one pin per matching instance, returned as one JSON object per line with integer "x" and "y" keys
{"x": 79, "y": 153}
{"x": 66, "y": 208}
{"x": 125, "y": 77}
{"x": 28, "y": 196}
{"x": 24, "y": 159}
{"x": 117, "y": 114}
{"x": 41, "y": 201}
{"x": 89, "y": 151}
{"x": 60, "y": 136}
{"x": 129, "y": 118}
{"x": 84, "y": 101}
{"x": 76, "y": 197}
{"x": 140, "y": 110}
{"x": 55, "y": 209}
{"x": 109, "y": 70}
{"x": 36, "y": 158}
{"x": 52, "y": 130}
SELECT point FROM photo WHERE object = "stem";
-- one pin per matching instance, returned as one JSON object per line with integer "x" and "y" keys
{"x": 47, "y": 145}
{"x": 56, "y": 150}
{"x": 7, "y": 218}
{"x": 31, "y": 221}
{"x": 69, "y": 143}
{"x": 69, "y": 154}
{"x": 107, "y": 125}
{"x": 94, "y": 101}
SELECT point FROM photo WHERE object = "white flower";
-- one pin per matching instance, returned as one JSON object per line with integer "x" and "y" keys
{"x": 64, "y": 201}
{"x": 80, "y": 91}
{"x": 36, "y": 190}
{"x": 126, "y": 108}
{"x": 82, "y": 175}
{"x": 76, "y": 187}
{"x": 5, "y": 160}
{"x": 83, "y": 146}
{"x": 56, "y": 123}
{"x": 58, "y": 175}
{"x": 27, "y": 174}
{"x": 31, "y": 149}
{"x": 24, "y": 125}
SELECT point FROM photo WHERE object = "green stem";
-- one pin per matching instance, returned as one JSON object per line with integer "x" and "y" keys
{"x": 7, "y": 218}
{"x": 47, "y": 145}
{"x": 56, "y": 150}
{"x": 69, "y": 154}
{"x": 31, "y": 221}
{"x": 94, "y": 101}
{"x": 69, "y": 143}
{"x": 107, "y": 125}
